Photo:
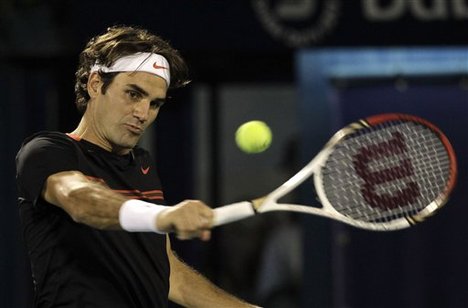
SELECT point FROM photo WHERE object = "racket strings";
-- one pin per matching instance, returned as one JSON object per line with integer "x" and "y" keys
{"x": 386, "y": 172}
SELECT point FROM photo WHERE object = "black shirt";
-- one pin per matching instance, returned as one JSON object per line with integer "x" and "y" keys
{"x": 73, "y": 264}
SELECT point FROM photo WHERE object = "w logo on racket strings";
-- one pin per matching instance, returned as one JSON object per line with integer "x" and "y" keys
{"x": 402, "y": 196}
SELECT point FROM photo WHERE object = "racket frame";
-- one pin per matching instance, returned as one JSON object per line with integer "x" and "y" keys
{"x": 270, "y": 202}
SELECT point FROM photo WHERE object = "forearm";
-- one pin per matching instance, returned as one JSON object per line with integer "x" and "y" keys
{"x": 190, "y": 289}
{"x": 86, "y": 202}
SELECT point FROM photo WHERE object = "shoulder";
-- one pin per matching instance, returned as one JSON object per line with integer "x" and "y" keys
{"x": 45, "y": 144}
{"x": 40, "y": 156}
{"x": 45, "y": 138}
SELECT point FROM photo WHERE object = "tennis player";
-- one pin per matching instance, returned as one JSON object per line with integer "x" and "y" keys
{"x": 91, "y": 203}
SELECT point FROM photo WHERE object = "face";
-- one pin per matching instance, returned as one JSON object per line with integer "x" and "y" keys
{"x": 117, "y": 119}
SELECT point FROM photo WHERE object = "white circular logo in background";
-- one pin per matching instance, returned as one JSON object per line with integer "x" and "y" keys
{"x": 298, "y": 22}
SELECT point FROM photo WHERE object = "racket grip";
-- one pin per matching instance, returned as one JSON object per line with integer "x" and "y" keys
{"x": 232, "y": 212}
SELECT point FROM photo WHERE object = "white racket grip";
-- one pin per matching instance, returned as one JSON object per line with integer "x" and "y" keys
{"x": 232, "y": 212}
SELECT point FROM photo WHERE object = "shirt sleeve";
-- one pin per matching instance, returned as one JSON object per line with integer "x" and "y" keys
{"x": 40, "y": 157}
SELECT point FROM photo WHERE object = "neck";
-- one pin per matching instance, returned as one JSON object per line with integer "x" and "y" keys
{"x": 81, "y": 129}
{"x": 85, "y": 131}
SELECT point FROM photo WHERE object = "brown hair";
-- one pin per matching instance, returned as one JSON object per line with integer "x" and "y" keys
{"x": 117, "y": 42}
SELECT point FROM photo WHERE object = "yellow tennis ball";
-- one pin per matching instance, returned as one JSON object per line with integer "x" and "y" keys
{"x": 253, "y": 137}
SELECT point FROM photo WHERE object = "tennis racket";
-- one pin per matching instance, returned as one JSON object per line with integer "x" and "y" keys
{"x": 382, "y": 173}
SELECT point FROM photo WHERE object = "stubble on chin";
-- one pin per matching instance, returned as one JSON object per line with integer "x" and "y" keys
{"x": 126, "y": 142}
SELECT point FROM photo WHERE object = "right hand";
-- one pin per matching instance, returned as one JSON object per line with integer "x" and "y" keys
{"x": 187, "y": 219}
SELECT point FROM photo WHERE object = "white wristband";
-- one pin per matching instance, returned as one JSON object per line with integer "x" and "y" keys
{"x": 140, "y": 216}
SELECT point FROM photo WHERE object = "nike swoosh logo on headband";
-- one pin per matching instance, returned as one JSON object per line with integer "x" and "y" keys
{"x": 156, "y": 66}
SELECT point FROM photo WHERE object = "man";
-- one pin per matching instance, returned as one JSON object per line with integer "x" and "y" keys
{"x": 91, "y": 204}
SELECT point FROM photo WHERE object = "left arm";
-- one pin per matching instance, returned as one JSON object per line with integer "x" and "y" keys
{"x": 190, "y": 289}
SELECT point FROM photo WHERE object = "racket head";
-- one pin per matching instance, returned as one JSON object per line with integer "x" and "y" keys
{"x": 386, "y": 172}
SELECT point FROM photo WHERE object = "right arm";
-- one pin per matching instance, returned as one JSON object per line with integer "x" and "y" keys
{"x": 85, "y": 201}
{"x": 98, "y": 206}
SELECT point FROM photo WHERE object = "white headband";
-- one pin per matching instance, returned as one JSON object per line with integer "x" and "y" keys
{"x": 139, "y": 62}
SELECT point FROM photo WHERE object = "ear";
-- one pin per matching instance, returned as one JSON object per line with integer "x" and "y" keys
{"x": 94, "y": 85}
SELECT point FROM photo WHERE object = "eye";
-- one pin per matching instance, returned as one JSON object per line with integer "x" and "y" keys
{"x": 133, "y": 95}
{"x": 157, "y": 103}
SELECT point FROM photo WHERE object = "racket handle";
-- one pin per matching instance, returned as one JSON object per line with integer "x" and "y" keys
{"x": 232, "y": 212}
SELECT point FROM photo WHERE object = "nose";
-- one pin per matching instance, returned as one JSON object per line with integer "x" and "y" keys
{"x": 141, "y": 110}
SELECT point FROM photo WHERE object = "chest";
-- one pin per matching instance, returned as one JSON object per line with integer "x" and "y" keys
{"x": 133, "y": 176}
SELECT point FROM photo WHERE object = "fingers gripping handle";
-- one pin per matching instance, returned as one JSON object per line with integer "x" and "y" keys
{"x": 232, "y": 212}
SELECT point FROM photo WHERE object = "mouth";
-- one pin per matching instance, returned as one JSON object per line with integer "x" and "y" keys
{"x": 135, "y": 129}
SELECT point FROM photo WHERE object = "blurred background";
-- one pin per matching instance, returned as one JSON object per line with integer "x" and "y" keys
{"x": 306, "y": 67}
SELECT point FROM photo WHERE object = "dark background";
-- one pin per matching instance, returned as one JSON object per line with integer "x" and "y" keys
{"x": 229, "y": 42}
